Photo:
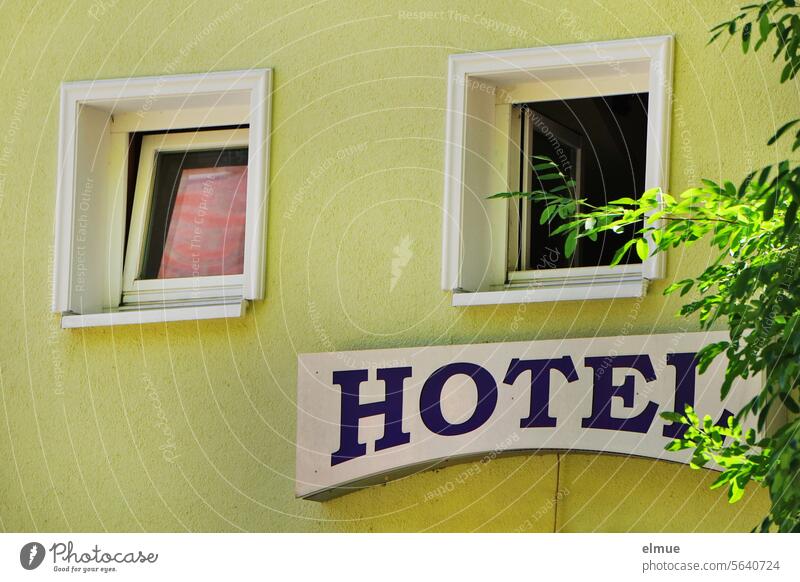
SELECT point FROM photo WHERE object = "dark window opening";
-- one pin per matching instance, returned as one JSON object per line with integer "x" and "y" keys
{"x": 601, "y": 144}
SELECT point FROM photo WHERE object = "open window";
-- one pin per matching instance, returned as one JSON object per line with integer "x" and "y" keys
{"x": 600, "y": 111}
{"x": 600, "y": 144}
{"x": 187, "y": 227}
{"x": 161, "y": 209}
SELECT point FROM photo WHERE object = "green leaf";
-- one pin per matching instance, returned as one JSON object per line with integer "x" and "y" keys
{"x": 791, "y": 216}
{"x": 735, "y": 492}
{"x": 571, "y": 243}
{"x": 788, "y": 72}
{"x": 711, "y": 185}
{"x": 750, "y": 437}
{"x": 744, "y": 185}
{"x": 746, "y": 37}
{"x": 674, "y": 417}
{"x": 764, "y": 26}
{"x": 714, "y": 37}
{"x": 675, "y": 445}
{"x": 564, "y": 210}
{"x": 642, "y": 249}
{"x": 769, "y": 205}
{"x": 795, "y": 189}
{"x": 508, "y": 195}
{"x": 685, "y": 285}
{"x": 762, "y": 177}
{"x": 698, "y": 461}
{"x": 559, "y": 188}
{"x": 624, "y": 200}
{"x": 719, "y": 26}
{"x": 790, "y": 404}
{"x": 547, "y": 213}
{"x": 783, "y": 129}
{"x": 552, "y": 176}
{"x": 622, "y": 251}
{"x": 723, "y": 478}
{"x": 709, "y": 352}
{"x": 567, "y": 226}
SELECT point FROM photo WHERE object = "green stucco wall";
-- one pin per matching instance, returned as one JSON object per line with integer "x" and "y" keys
{"x": 190, "y": 426}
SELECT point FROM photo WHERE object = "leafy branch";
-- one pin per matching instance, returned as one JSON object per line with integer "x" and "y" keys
{"x": 745, "y": 459}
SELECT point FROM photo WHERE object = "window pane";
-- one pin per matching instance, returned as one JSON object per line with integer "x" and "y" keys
{"x": 613, "y": 148}
{"x": 197, "y": 217}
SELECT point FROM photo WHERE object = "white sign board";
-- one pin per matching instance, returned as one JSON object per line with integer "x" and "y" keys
{"x": 367, "y": 416}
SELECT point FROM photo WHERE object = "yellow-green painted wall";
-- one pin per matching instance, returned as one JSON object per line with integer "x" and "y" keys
{"x": 190, "y": 426}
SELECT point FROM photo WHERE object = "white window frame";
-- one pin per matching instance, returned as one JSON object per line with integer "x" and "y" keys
{"x": 141, "y": 291}
{"x": 97, "y": 118}
{"x": 481, "y": 152}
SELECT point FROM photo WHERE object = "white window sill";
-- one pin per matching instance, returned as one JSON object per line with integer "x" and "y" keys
{"x": 566, "y": 291}
{"x": 154, "y": 315}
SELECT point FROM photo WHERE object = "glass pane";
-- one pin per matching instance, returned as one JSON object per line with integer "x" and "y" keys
{"x": 197, "y": 217}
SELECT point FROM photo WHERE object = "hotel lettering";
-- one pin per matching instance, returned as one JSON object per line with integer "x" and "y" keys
{"x": 361, "y": 419}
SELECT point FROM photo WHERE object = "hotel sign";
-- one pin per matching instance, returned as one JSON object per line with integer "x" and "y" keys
{"x": 367, "y": 416}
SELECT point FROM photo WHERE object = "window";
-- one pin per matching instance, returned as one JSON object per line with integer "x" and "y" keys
{"x": 599, "y": 143}
{"x": 601, "y": 112}
{"x": 188, "y": 217}
{"x": 162, "y": 197}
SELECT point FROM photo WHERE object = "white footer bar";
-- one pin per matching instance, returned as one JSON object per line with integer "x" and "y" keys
{"x": 399, "y": 557}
